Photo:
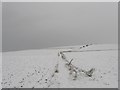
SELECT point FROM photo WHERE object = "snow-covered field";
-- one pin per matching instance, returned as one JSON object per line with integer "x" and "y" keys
{"x": 0, "y": 70}
{"x": 87, "y": 66}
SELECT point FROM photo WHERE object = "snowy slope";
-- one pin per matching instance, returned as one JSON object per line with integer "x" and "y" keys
{"x": 87, "y": 66}
{"x": 0, "y": 70}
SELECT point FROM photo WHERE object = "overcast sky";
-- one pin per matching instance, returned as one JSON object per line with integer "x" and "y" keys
{"x": 42, "y": 25}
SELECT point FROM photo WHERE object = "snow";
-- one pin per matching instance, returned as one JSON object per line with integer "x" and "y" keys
{"x": 0, "y": 70}
{"x": 51, "y": 68}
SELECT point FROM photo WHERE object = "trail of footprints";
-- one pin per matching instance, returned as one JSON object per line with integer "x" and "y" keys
{"x": 38, "y": 77}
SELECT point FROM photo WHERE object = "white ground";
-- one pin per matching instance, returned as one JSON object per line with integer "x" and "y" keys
{"x": 0, "y": 70}
{"x": 37, "y": 68}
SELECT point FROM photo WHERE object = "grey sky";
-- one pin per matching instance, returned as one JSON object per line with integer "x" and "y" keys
{"x": 0, "y": 27}
{"x": 41, "y": 25}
